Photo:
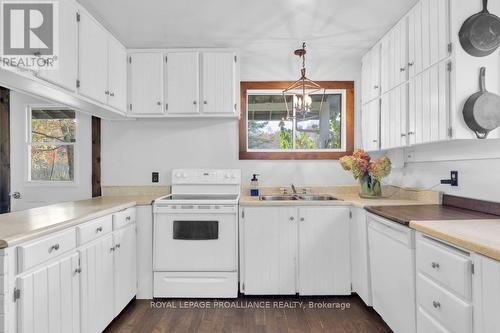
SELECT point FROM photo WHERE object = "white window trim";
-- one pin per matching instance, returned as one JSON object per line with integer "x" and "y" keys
{"x": 27, "y": 150}
{"x": 343, "y": 139}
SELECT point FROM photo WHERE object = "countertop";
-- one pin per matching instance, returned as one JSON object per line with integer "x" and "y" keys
{"x": 25, "y": 225}
{"x": 480, "y": 236}
{"x": 406, "y": 214}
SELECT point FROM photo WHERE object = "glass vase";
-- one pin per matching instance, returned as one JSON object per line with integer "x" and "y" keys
{"x": 370, "y": 187}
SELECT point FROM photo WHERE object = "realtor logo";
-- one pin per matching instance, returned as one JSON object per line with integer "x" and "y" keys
{"x": 30, "y": 34}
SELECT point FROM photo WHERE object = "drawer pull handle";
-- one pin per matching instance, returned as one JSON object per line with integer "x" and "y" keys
{"x": 436, "y": 305}
{"x": 99, "y": 229}
{"x": 54, "y": 247}
{"x": 78, "y": 271}
{"x": 127, "y": 218}
{"x": 435, "y": 265}
{"x": 112, "y": 249}
{"x": 117, "y": 246}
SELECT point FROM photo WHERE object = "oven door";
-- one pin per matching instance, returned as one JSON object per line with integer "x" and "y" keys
{"x": 195, "y": 241}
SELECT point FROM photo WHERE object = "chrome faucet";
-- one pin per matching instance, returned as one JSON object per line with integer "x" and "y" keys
{"x": 294, "y": 190}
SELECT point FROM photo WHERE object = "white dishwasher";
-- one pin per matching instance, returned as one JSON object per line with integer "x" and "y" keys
{"x": 392, "y": 263}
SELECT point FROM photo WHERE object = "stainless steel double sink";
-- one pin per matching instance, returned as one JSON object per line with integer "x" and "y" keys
{"x": 297, "y": 197}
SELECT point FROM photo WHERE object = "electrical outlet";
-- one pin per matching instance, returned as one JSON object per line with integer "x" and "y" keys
{"x": 155, "y": 177}
{"x": 453, "y": 181}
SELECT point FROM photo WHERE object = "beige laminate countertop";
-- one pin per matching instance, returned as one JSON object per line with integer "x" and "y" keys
{"x": 25, "y": 225}
{"x": 480, "y": 236}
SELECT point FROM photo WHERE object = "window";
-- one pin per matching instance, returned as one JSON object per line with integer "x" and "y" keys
{"x": 51, "y": 145}
{"x": 266, "y": 131}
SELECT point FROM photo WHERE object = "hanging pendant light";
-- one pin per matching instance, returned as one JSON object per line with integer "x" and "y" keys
{"x": 302, "y": 91}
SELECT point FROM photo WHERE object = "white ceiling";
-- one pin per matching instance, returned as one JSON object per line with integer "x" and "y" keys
{"x": 337, "y": 30}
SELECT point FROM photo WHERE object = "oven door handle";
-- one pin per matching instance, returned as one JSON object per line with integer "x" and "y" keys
{"x": 170, "y": 210}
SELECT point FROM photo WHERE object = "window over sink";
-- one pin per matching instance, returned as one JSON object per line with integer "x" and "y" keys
{"x": 270, "y": 130}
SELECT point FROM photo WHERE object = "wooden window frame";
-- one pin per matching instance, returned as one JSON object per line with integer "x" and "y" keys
{"x": 348, "y": 86}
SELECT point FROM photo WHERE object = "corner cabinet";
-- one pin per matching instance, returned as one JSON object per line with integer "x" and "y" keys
{"x": 183, "y": 83}
{"x": 287, "y": 250}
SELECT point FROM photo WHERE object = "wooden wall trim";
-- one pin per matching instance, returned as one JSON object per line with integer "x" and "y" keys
{"x": 4, "y": 150}
{"x": 244, "y": 154}
{"x": 96, "y": 157}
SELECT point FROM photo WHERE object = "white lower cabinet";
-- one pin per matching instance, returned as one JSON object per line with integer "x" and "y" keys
{"x": 125, "y": 267}
{"x": 96, "y": 286}
{"x": 289, "y": 250}
{"x": 360, "y": 263}
{"x": 49, "y": 298}
{"x": 444, "y": 284}
{"x": 486, "y": 291}
{"x": 324, "y": 261}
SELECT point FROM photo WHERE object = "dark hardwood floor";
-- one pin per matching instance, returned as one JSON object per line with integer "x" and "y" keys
{"x": 324, "y": 314}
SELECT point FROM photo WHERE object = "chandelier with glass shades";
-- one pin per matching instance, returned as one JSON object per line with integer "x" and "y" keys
{"x": 302, "y": 91}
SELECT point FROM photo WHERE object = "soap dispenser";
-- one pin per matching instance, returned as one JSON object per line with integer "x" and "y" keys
{"x": 254, "y": 186}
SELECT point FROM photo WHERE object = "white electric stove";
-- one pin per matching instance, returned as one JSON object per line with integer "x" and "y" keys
{"x": 196, "y": 235}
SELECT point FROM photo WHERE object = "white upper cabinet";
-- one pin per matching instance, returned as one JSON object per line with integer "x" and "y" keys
{"x": 370, "y": 118}
{"x": 218, "y": 78}
{"x": 67, "y": 72}
{"x": 146, "y": 83}
{"x": 428, "y": 34}
{"x": 393, "y": 124}
{"x": 93, "y": 60}
{"x": 117, "y": 75}
{"x": 183, "y": 82}
{"x": 393, "y": 57}
{"x": 371, "y": 74}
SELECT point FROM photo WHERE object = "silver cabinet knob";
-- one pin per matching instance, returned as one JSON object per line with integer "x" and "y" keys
{"x": 16, "y": 195}
{"x": 54, "y": 247}
{"x": 112, "y": 249}
{"x": 302, "y": 219}
{"x": 106, "y": 92}
{"x": 435, "y": 265}
{"x": 195, "y": 102}
{"x": 99, "y": 229}
{"x": 117, "y": 246}
{"x": 292, "y": 218}
{"x": 127, "y": 218}
{"x": 436, "y": 304}
{"x": 78, "y": 270}
{"x": 375, "y": 87}
{"x": 402, "y": 69}
{"x": 411, "y": 63}
{"x": 374, "y": 141}
{"x": 205, "y": 102}
{"x": 411, "y": 133}
{"x": 403, "y": 135}
{"x": 159, "y": 103}
{"x": 112, "y": 94}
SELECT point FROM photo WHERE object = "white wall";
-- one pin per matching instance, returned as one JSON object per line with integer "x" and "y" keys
{"x": 477, "y": 163}
{"x": 131, "y": 150}
{"x": 38, "y": 195}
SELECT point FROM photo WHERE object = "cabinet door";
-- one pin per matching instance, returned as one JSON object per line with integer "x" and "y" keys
{"x": 183, "y": 82}
{"x": 403, "y": 51}
{"x": 146, "y": 83}
{"x": 117, "y": 75}
{"x": 92, "y": 58}
{"x": 96, "y": 285}
{"x": 67, "y": 72}
{"x": 366, "y": 73}
{"x": 218, "y": 82}
{"x": 360, "y": 267}
{"x": 486, "y": 295}
{"x": 324, "y": 259}
{"x": 270, "y": 250}
{"x": 125, "y": 271}
{"x": 371, "y": 125}
{"x": 385, "y": 121}
{"x": 50, "y": 298}
{"x": 375, "y": 71}
{"x": 385, "y": 63}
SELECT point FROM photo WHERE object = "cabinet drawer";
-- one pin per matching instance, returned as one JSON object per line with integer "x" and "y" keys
{"x": 123, "y": 218}
{"x": 427, "y": 324}
{"x": 36, "y": 252}
{"x": 453, "y": 313}
{"x": 94, "y": 229}
{"x": 446, "y": 265}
